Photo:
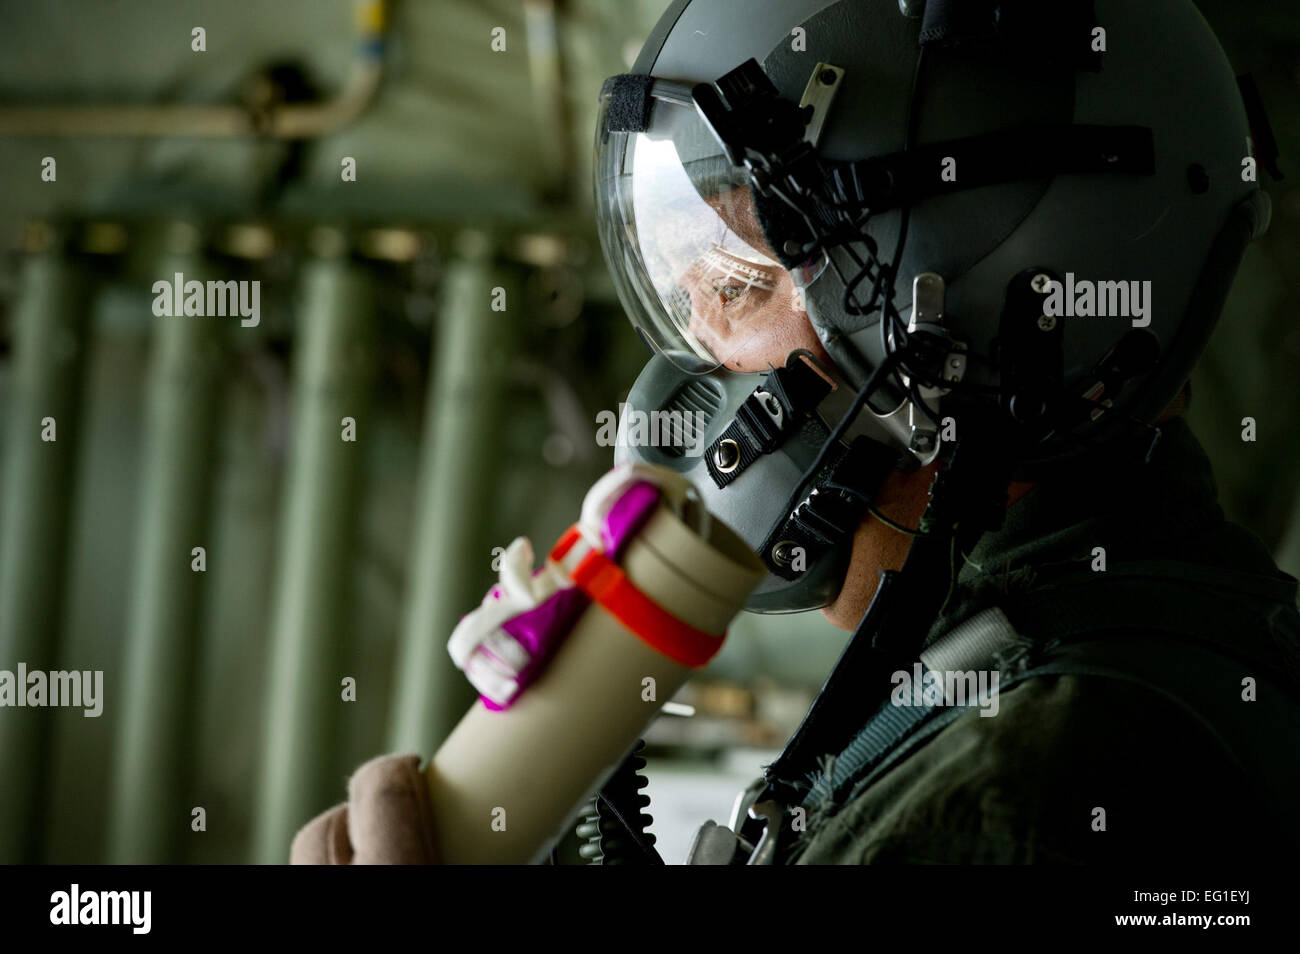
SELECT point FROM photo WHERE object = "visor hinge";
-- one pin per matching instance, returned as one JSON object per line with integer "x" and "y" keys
{"x": 745, "y": 111}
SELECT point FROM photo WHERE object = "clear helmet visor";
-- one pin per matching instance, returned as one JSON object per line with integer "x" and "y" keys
{"x": 680, "y": 232}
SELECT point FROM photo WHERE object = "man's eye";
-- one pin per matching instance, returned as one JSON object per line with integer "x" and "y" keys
{"x": 730, "y": 292}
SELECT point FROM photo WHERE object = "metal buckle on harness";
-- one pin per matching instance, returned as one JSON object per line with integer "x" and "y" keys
{"x": 716, "y": 845}
{"x": 748, "y": 808}
{"x": 771, "y": 814}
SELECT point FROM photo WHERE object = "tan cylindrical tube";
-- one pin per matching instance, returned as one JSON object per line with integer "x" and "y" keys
{"x": 504, "y": 784}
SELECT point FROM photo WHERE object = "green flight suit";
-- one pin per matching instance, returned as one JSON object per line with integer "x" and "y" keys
{"x": 1025, "y": 786}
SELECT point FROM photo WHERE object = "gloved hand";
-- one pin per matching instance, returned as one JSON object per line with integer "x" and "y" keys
{"x": 387, "y": 820}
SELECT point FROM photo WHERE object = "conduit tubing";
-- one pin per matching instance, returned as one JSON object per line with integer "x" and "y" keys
{"x": 301, "y": 766}
{"x": 50, "y": 322}
{"x": 461, "y": 452}
{"x": 158, "y": 686}
{"x": 284, "y": 121}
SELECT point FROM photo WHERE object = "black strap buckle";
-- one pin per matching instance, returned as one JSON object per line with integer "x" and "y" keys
{"x": 832, "y": 510}
{"x": 767, "y": 418}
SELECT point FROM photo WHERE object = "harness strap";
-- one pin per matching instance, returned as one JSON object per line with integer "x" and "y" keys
{"x": 1181, "y": 650}
{"x": 767, "y": 418}
{"x": 985, "y": 637}
{"x": 1034, "y": 151}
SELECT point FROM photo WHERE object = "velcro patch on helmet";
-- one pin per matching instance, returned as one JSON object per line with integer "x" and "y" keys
{"x": 629, "y": 102}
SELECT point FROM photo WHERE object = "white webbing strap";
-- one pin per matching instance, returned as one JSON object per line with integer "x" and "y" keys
{"x": 979, "y": 643}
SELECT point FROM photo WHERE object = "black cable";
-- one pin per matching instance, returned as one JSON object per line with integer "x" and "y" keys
{"x": 869, "y": 268}
{"x": 910, "y": 141}
{"x": 888, "y": 311}
{"x": 873, "y": 510}
{"x": 859, "y": 401}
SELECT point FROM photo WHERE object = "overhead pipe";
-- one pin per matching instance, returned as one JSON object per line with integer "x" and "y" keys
{"x": 280, "y": 121}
